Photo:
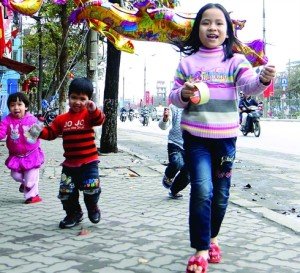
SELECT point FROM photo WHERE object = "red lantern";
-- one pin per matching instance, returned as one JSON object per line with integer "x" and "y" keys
{"x": 34, "y": 81}
{"x": 26, "y": 86}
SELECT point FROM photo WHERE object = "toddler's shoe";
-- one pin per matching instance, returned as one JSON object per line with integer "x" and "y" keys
{"x": 94, "y": 214}
{"x": 32, "y": 200}
{"x": 167, "y": 182}
{"x": 71, "y": 220}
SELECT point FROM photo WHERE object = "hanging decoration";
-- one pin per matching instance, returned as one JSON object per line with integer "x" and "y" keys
{"x": 26, "y": 7}
{"x": 146, "y": 22}
{"x": 150, "y": 23}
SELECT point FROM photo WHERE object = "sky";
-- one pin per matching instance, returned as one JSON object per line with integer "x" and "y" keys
{"x": 282, "y": 35}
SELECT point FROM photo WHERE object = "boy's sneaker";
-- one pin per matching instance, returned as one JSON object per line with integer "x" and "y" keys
{"x": 175, "y": 196}
{"x": 167, "y": 182}
{"x": 71, "y": 220}
{"x": 94, "y": 214}
{"x": 32, "y": 200}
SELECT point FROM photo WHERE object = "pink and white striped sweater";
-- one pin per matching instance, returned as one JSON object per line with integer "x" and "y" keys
{"x": 219, "y": 117}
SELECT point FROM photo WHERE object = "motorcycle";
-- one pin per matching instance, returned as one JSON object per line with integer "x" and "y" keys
{"x": 48, "y": 116}
{"x": 144, "y": 118}
{"x": 252, "y": 122}
{"x": 123, "y": 116}
{"x": 131, "y": 115}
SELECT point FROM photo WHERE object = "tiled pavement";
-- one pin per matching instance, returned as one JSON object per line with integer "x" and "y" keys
{"x": 141, "y": 230}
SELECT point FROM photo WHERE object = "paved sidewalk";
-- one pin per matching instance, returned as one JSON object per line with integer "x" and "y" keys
{"x": 141, "y": 229}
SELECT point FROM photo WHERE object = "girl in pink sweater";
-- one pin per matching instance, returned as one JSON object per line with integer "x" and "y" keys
{"x": 206, "y": 85}
{"x": 25, "y": 155}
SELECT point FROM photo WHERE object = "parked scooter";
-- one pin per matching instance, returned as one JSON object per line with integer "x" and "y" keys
{"x": 252, "y": 122}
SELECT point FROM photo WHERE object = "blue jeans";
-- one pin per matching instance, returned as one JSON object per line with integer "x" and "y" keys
{"x": 177, "y": 166}
{"x": 210, "y": 164}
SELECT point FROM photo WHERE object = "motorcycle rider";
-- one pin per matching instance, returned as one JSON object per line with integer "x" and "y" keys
{"x": 145, "y": 113}
{"x": 244, "y": 108}
{"x": 123, "y": 114}
{"x": 131, "y": 113}
{"x": 123, "y": 109}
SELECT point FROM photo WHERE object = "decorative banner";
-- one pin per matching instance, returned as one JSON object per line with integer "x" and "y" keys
{"x": 146, "y": 23}
{"x": 26, "y": 7}
{"x": 269, "y": 91}
{"x": 2, "y": 38}
{"x": 149, "y": 23}
{"x": 147, "y": 97}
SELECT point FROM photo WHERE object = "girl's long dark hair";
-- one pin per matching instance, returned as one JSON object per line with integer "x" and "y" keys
{"x": 192, "y": 43}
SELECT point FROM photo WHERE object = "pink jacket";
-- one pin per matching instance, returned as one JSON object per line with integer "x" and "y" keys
{"x": 24, "y": 151}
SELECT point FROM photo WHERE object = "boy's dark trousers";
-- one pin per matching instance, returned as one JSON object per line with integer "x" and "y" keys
{"x": 84, "y": 178}
{"x": 177, "y": 168}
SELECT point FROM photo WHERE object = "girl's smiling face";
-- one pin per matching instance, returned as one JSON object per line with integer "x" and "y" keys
{"x": 213, "y": 28}
{"x": 18, "y": 108}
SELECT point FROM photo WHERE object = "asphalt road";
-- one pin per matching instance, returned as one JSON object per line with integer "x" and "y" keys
{"x": 267, "y": 168}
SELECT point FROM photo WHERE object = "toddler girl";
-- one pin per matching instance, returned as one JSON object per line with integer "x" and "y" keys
{"x": 25, "y": 155}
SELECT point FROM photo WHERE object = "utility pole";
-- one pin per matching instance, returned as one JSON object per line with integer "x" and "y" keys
{"x": 92, "y": 63}
{"x": 145, "y": 80}
{"x": 92, "y": 70}
{"x": 123, "y": 98}
{"x": 266, "y": 100}
{"x": 40, "y": 60}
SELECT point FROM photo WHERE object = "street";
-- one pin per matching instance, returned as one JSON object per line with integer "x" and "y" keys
{"x": 266, "y": 168}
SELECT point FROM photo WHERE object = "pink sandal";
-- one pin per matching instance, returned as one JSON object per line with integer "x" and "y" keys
{"x": 214, "y": 254}
{"x": 198, "y": 261}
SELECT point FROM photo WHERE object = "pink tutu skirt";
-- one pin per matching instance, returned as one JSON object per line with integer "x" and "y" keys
{"x": 23, "y": 163}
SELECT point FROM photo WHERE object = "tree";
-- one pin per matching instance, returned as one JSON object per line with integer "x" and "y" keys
{"x": 108, "y": 142}
{"x": 60, "y": 42}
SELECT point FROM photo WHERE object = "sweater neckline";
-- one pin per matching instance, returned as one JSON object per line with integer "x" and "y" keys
{"x": 211, "y": 50}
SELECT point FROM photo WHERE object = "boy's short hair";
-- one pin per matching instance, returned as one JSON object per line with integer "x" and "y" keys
{"x": 81, "y": 86}
{"x": 18, "y": 96}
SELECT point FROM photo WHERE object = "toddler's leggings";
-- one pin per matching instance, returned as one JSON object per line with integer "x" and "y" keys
{"x": 30, "y": 180}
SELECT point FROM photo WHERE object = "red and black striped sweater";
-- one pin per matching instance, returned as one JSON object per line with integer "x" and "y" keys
{"x": 78, "y": 135}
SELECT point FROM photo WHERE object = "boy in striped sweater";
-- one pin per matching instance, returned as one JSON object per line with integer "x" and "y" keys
{"x": 80, "y": 168}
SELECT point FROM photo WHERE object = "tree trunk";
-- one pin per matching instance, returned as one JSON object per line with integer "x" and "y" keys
{"x": 63, "y": 60}
{"x": 108, "y": 142}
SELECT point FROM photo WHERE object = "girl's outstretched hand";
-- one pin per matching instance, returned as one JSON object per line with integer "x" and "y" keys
{"x": 35, "y": 130}
{"x": 90, "y": 105}
{"x": 267, "y": 74}
{"x": 188, "y": 91}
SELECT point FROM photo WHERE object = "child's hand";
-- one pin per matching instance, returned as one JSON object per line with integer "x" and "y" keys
{"x": 267, "y": 74}
{"x": 90, "y": 105}
{"x": 166, "y": 115}
{"x": 35, "y": 130}
{"x": 188, "y": 91}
